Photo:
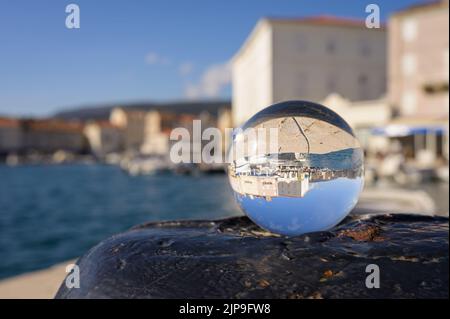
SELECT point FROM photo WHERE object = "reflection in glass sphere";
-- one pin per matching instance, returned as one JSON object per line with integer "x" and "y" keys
{"x": 296, "y": 167}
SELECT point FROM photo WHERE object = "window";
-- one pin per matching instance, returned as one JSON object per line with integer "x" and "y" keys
{"x": 409, "y": 103}
{"x": 331, "y": 85}
{"x": 409, "y": 30}
{"x": 408, "y": 64}
{"x": 331, "y": 46}
{"x": 363, "y": 87}
{"x": 302, "y": 85}
{"x": 301, "y": 43}
{"x": 446, "y": 65}
{"x": 364, "y": 48}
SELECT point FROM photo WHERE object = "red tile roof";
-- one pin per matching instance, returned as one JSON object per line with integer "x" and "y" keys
{"x": 8, "y": 122}
{"x": 326, "y": 20}
{"x": 105, "y": 124}
{"x": 424, "y": 5}
{"x": 54, "y": 125}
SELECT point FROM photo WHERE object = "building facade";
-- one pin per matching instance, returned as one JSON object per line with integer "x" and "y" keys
{"x": 49, "y": 136}
{"x": 156, "y": 139}
{"x": 307, "y": 59}
{"x": 419, "y": 60}
{"x": 363, "y": 117}
{"x": 419, "y": 80}
{"x": 133, "y": 126}
{"x": 103, "y": 137}
{"x": 10, "y": 136}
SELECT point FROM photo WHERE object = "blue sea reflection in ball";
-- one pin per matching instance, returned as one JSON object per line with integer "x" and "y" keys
{"x": 296, "y": 167}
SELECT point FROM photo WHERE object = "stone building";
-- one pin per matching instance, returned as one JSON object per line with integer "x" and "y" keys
{"x": 419, "y": 78}
{"x": 419, "y": 60}
{"x": 307, "y": 59}
{"x": 146, "y": 130}
{"x": 132, "y": 122}
{"x": 156, "y": 137}
{"x": 51, "y": 135}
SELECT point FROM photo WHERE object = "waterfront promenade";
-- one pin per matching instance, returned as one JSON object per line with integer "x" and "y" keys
{"x": 41, "y": 284}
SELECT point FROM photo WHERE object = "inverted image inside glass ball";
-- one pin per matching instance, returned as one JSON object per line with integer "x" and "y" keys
{"x": 296, "y": 167}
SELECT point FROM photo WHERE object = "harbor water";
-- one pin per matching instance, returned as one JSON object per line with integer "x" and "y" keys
{"x": 49, "y": 214}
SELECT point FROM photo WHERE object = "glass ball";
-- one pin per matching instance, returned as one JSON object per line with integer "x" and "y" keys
{"x": 296, "y": 167}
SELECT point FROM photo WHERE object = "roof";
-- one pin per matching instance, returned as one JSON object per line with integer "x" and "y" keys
{"x": 103, "y": 124}
{"x": 324, "y": 20}
{"x": 321, "y": 20}
{"x": 191, "y": 107}
{"x": 422, "y": 6}
{"x": 54, "y": 126}
{"x": 8, "y": 122}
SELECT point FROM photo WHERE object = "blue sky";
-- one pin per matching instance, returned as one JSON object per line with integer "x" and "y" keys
{"x": 133, "y": 50}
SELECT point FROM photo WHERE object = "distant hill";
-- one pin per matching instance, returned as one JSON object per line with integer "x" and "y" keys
{"x": 102, "y": 112}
